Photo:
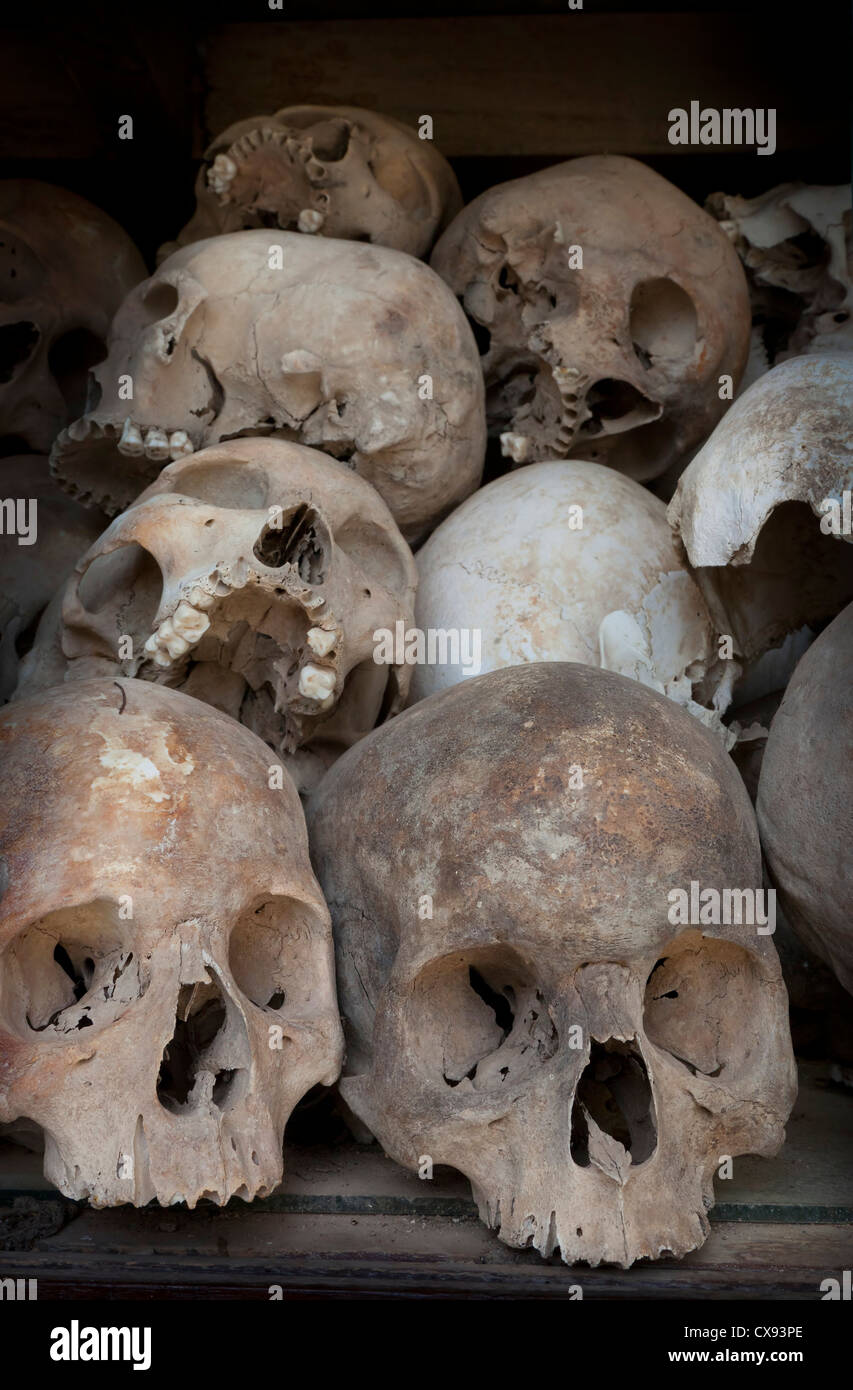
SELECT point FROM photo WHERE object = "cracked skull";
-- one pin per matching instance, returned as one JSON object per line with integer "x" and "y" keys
{"x": 616, "y": 358}
{"x": 65, "y": 268}
{"x": 158, "y": 1020}
{"x": 602, "y": 583}
{"x": 518, "y": 1004}
{"x": 356, "y": 350}
{"x": 333, "y": 170}
{"x": 252, "y": 576}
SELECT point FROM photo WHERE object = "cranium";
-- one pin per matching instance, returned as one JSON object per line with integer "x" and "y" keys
{"x": 166, "y": 973}
{"x": 65, "y": 268}
{"x": 357, "y": 350}
{"x": 334, "y": 170}
{"x": 570, "y": 561}
{"x": 761, "y": 509}
{"x": 617, "y": 359}
{"x": 251, "y": 575}
{"x": 805, "y": 798}
{"x": 499, "y": 863}
{"x": 32, "y": 566}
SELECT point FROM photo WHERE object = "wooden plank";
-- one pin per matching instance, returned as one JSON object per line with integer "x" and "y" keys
{"x": 511, "y": 85}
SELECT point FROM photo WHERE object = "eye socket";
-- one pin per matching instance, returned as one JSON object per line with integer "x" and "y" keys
{"x": 663, "y": 324}
{"x": 133, "y": 573}
{"x": 160, "y": 301}
{"x": 301, "y": 540}
{"x": 18, "y": 342}
{"x": 70, "y": 359}
{"x": 272, "y": 954}
{"x": 703, "y": 1003}
{"x": 71, "y": 970}
{"x": 485, "y": 1022}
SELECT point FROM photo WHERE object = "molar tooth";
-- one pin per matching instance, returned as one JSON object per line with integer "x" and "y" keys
{"x": 177, "y": 645}
{"x": 130, "y": 440}
{"x": 153, "y": 643}
{"x": 157, "y": 445}
{"x": 180, "y": 445}
{"x": 515, "y": 446}
{"x": 316, "y": 682}
{"x": 161, "y": 658}
{"x": 165, "y": 631}
{"x": 321, "y": 641}
{"x": 188, "y": 622}
{"x": 310, "y": 220}
{"x": 200, "y": 598}
{"x": 221, "y": 173}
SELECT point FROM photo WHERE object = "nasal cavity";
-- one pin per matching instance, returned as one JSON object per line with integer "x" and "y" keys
{"x": 615, "y": 406}
{"x": 188, "y": 1058}
{"x": 614, "y": 1093}
{"x": 294, "y": 540}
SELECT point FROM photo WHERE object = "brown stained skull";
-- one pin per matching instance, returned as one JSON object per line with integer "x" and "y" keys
{"x": 166, "y": 972}
{"x": 616, "y": 360}
{"x": 252, "y": 575}
{"x": 336, "y": 171}
{"x": 356, "y": 350}
{"x": 65, "y": 268}
{"x": 517, "y": 1001}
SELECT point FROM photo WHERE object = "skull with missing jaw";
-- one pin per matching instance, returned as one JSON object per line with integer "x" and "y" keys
{"x": 65, "y": 268}
{"x": 617, "y": 360}
{"x": 517, "y": 1001}
{"x": 336, "y": 171}
{"x": 252, "y": 576}
{"x": 356, "y": 350}
{"x": 167, "y": 990}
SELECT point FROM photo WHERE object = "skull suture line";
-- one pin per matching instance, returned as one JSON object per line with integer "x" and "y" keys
{"x": 336, "y": 171}
{"x": 253, "y": 576}
{"x": 543, "y": 1027}
{"x": 619, "y": 361}
{"x": 356, "y": 350}
{"x": 161, "y": 932}
{"x": 65, "y": 268}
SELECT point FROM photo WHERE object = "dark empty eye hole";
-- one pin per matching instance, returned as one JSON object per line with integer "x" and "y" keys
{"x": 17, "y": 344}
{"x": 330, "y": 141}
{"x": 663, "y": 323}
{"x": 271, "y": 954}
{"x": 70, "y": 359}
{"x": 160, "y": 301}
{"x": 297, "y": 541}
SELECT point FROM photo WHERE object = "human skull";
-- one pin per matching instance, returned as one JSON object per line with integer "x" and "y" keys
{"x": 805, "y": 796}
{"x": 333, "y": 170}
{"x": 796, "y": 242}
{"x": 65, "y": 267}
{"x": 35, "y": 563}
{"x": 756, "y": 509}
{"x": 618, "y": 360}
{"x": 166, "y": 970}
{"x": 252, "y": 575}
{"x": 498, "y": 863}
{"x": 356, "y": 350}
{"x": 570, "y": 561}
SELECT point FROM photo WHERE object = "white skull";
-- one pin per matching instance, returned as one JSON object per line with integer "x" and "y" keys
{"x": 65, "y": 267}
{"x": 570, "y": 561}
{"x": 516, "y": 1001}
{"x": 333, "y": 170}
{"x": 166, "y": 969}
{"x": 33, "y": 564}
{"x": 805, "y": 794}
{"x": 253, "y": 576}
{"x": 757, "y": 506}
{"x": 357, "y": 350}
{"x": 617, "y": 359}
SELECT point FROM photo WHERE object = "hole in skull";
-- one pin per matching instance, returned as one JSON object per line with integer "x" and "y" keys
{"x": 616, "y": 406}
{"x": 200, "y": 1017}
{"x": 498, "y": 1003}
{"x": 17, "y": 345}
{"x": 615, "y": 1094}
{"x": 663, "y": 323}
{"x": 70, "y": 360}
{"x": 482, "y": 337}
{"x": 271, "y": 954}
{"x": 507, "y": 279}
{"x": 330, "y": 141}
{"x": 296, "y": 542}
{"x": 161, "y": 301}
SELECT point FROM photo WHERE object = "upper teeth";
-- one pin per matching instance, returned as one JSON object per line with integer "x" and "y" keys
{"x": 310, "y": 220}
{"x": 157, "y": 444}
{"x": 315, "y": 681}
{"x": 221, "y": 173}
{"x": 321, "y": 641}
{"x": 515, "y": 446}
{"x": 186, "y": 626}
